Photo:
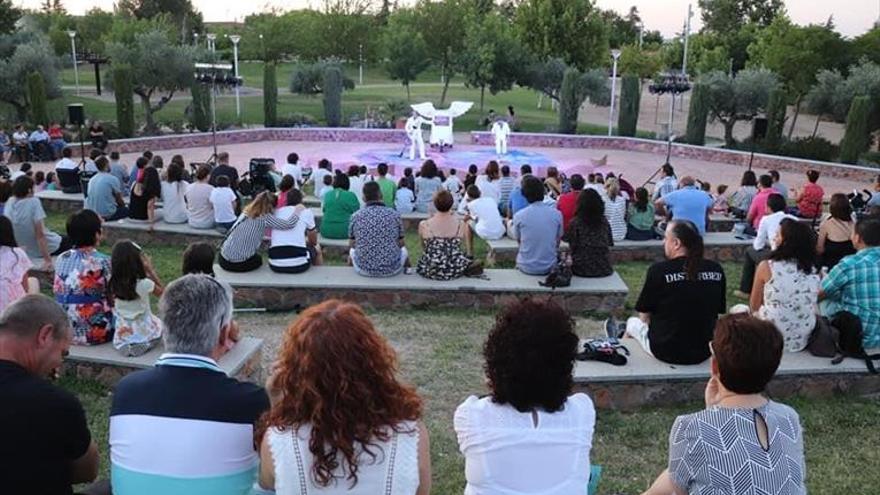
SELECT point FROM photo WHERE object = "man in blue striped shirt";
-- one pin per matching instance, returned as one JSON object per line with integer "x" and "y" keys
{"x": 184, "y": 426}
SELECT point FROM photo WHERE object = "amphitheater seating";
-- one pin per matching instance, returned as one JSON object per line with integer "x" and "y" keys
{"x": 266, "y": 289}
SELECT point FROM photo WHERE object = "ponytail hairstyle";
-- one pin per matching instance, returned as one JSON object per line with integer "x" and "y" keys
{"x": 686, "y": 232}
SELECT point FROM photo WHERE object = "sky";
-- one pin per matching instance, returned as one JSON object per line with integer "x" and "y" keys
{"x": 852, "y": 17}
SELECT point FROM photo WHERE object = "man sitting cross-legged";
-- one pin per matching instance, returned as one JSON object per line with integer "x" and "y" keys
{"x": 680, "y": 301}
{"x": 538, "y": 228}
{"x": 46, "y": 444}
{"x": 376, "y": 237}
{"x": 184, "y": 426}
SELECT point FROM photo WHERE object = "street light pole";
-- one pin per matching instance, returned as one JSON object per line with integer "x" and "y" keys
{"x": 72, "y": 35}
{"x": 235, "y": 39}
{"x": 361, "y": 66}
{"x": 615, "y": 54}
{"x": 687, "y": 35}
{"x": 211, "y": 39}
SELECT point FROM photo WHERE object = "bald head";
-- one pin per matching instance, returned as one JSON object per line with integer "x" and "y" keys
{"x": 25, "y": 317}
{"x": 687, "y": 180}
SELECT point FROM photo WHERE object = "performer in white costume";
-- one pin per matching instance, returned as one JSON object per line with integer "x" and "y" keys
{"x": 414, "y": 133}
{"x": 501, "y": 131}
{"x": 441, "y": 120}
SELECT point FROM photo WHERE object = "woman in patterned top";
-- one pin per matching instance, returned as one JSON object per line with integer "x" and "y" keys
{"x": 742, "y": 442}
{"x": 442, "y": 237}
{"x": 82, "y": 277}
{"x": 240, "y": 250}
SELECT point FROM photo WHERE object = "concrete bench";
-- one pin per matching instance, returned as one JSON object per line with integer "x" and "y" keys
{"x": 645, "y": 380}
{"x": 163, "y": 232}
{"x": 60, "y": 202}
{"x": 104, "y": 364}
{"x": 266, "y": 289}
{"x": 719, "y": 246}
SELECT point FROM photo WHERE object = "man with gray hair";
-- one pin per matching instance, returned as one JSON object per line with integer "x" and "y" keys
{"x": 184, "y": 426}
{"x": 47, "y": 446}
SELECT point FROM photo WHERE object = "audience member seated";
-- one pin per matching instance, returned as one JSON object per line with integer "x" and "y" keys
{"x": 239, "y": 251}
{"x": 339, "y": 204}
{"x": 553, "y": 183}
{"x": 173, "y": 195}
{"x": 530, "y": 434}
{"x": 223, "y": 169}
{"x": 20, "y": 146}
{"x": 538, "y": 230}
{"x": 854, "y": 284}
{"x": 66, "y": 162}
{"x": 294, "y": 250}
{"x": 517, "y": 200}
{"x": 680, "y": 301}
{"x": 505, "y": 186}
{"x": 786, "y": 285}
{"x": 875, "y": 197}
{"x": 356, "y": 183}
{"x": 376, "y": 237}
{"x": 454, "y": 185}
{"x": 325, "y": 168}
{"x": 199, "y": 209}
{"x": 81, "y": 285}
{"x": 741, "y": 200}
{"x": 778, "y": 186}
{"x": 763, "y": 243}
{"x": 24, "y": 169}
{"x": 132, "y": 281}
{"x": 137, "y": 172}
{"x": 759, "y": 203}
{"x": 640, "y": 218}
{"x": 721, "y": 201}
{"x": 404, "y": 198}
{"x": 687, "y": 203}
{"x": 470, "y": 178}
{"x": 89, "y": 165}
{"x": 5, "y": 145}
{"x": 589, "y": 237}
{"x": 293, "y": 169}
{"x": 56, "y": 139}
{"x": 96, "y": 134}
{"x": 388, "y": 187}
{"x": 14, "y": 280}
{"x": 26, "y": 213}
{"x": 332, "y": 429}
{"x": 287, "y": 183}
{"x": 426, "y": 184}
{"x": 567, "y": 202}
{"x": 47, "y": 445}
{"x": 198, "y": 259}
{"x": 835, "y": 232}
{"x": 105, "y": 193}
{"x": 224, "y": 203}
{"x": 120, "y": 171}
{"x": 442, "y": 236}
{"x": 39, "y": 141}
{"x": 481, "y": 217}
{"x": 809, "y": 199}
{"x": 667, "y": 184}
{"x": 706, "y": 454}
{"x": 184, "y": 426}
{"x": 5, "y": 193}
{"x": 488, "y": 182}
{"x": 615, "y": 209}
{"x": 144, "y": 195}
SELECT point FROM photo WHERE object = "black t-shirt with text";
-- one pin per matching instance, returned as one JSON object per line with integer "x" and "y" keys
{"x": 683, "y": 312}
{"x": 42, "y": 430}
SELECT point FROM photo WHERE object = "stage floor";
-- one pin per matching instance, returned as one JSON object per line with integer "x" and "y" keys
{"x": 636, "y": 167}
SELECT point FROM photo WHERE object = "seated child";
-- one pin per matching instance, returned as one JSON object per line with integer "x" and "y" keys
{"x": 132, "y": 281}
{"x": 721, "y": 202}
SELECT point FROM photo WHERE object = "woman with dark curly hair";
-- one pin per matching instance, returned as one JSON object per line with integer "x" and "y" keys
{"x": 589, "y": 237}
{"x": 529, "y": 435}
{"x": 340, "y": 420}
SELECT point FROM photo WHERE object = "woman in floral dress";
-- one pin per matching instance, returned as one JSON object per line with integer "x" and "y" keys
{"x": 81, "y": 282}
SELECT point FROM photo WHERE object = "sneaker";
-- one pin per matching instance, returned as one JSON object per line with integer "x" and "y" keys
{"x": 614, "y": 329}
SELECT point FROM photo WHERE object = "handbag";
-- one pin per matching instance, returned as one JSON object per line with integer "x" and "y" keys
{"x": 560, "y": 275}
{"x": 824, "y": 339}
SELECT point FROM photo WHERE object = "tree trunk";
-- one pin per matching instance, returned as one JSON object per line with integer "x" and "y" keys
{"x": 728, "y": 133}
{"x": 148, "y": 115}
{"x": 482, "y": 97}
{"x": 797, "y": 111}
{"x": 445, "y": 87}
{"x": 816, "y": 129}
{"x": 408, "y": 97}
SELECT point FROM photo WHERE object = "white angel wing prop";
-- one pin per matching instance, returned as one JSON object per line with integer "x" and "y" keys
{"x": 426, "y": 109}
{"x": 459, "y": 108}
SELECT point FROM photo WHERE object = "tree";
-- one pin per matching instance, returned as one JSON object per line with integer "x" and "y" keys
{"x": 35, "y": 56}
{"x": 406, "y": 53}
{"x": 545, "y": 76}
{"x": 867, "y": 46}
{"x": 123, "y": 91}
{"x": 9, "y": 15}
{"x": 736, "y": 23}
{"x": 857, "y": 138}
{"x": 622, "y": 30}
{"x": 776, "y": 110}
{"x": 742, "y": 98}
{"x": 308, "y": 79}
{"x": 636, "y": 62}
{"x": 820, "y": 100}
{"x": 576, "y": 88}
{"x": 333, "y": 96}
{"x": 698, "y": 116}
{"x": 158, "y": 66}
{"x": 345, "y": 29}
{"x": 270, "y": 95}
{"x": 92, "y": 29}
{"x": 572, "y": 30}
{"x": 36, "y": 93}
{"x": 201, "y": 112}
{"x": 443, "y": 30}
{"x": 53, "y": 6}
{"x": 630, "y": 99}
{"x": 181, "y": 13}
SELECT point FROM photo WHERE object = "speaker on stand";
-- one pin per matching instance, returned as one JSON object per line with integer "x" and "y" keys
{"x": 76, "y": 115}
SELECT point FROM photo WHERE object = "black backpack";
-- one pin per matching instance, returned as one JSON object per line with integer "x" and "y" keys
{"x": 844, "y": 335}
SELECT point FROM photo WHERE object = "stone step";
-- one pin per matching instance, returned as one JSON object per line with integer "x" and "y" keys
{"x": 266, "y": 289}
{"x": 646, "y": 381}
{"x": 104, "y": 364}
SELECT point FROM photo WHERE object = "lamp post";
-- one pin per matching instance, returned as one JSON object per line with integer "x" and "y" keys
{"x": 361, "y": 66}
{"x": 615, "y": 54}
{"x": 673, "y": 84}
{"x": 196, "y": 39}
{"x": 687, "y": 35}
{"x": 235, "y": 39}
{"x": 72, "y": 35}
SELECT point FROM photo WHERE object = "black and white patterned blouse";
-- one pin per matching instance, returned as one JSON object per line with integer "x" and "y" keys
{"x": 376, "y": 230}
{"x": 717, "y": 452}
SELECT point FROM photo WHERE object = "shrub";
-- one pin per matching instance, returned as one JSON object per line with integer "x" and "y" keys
{"x": 810, "y": 148}
{"x": 698, "y": 116}
{"x": 333, "y": 85}
{"x": 270, "y": 95}
{"x": 36, "y": 92}
{"x": 201, "y": 107}
{"x": 776, "y": 108}
{"x": 296, "y": 119}
{"x": 857, "y": 138}
{"x": 569, "y": 102}
{"x": 124, "y": 93}
{"x": 630, "y": 96}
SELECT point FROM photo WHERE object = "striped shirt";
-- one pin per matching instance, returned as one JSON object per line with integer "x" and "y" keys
{"x": 615, "y": 212}
{"x": 665, "y": 186}
{"x": 184, "y": 427}
{"x": 246, "y": 235}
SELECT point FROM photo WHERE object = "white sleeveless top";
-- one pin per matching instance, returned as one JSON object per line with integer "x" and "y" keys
{"x": 394, "y": 471}
{"x": 790, "y": 298}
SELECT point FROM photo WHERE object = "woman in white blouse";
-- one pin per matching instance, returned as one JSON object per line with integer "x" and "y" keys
{"x": 173, "y": 195}
{"x": 340, "y": 421}
{"x": 489, "y": 182}
{"x": 529, "y": 435}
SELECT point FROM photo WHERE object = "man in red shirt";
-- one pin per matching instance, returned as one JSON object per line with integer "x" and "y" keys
{"x": 759, "y": 203}
{"x": 567, "y": 203}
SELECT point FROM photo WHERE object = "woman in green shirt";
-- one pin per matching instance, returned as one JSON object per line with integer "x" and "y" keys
{"x": 339, "y": 204}
{"x": 640, "y": 218}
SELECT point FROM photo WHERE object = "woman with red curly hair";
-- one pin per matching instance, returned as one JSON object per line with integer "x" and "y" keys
{"x": 340, "y": 420}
